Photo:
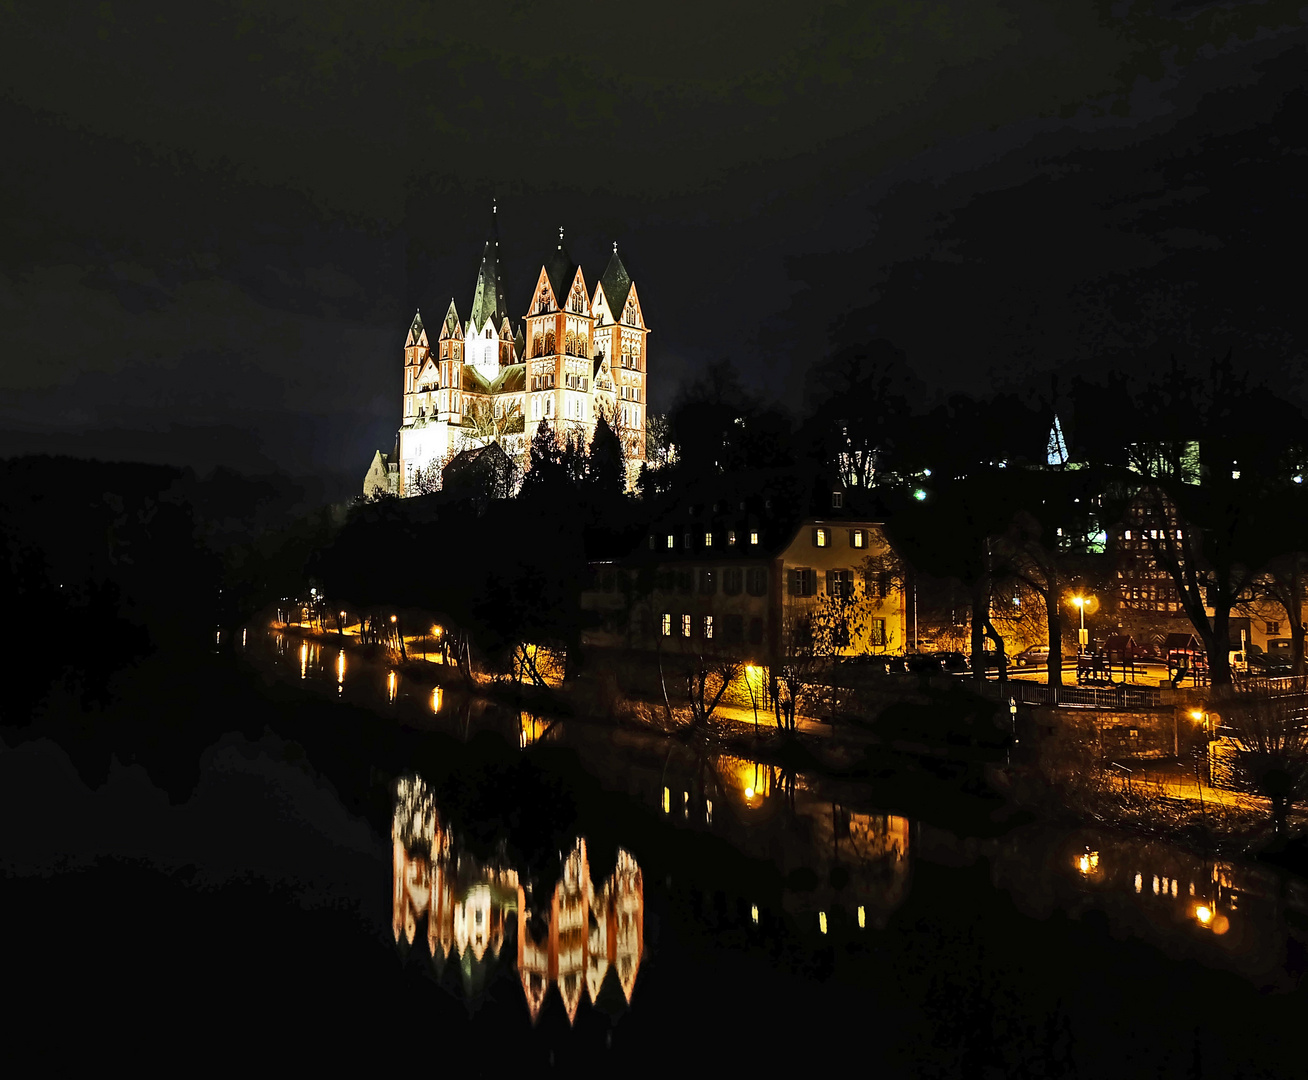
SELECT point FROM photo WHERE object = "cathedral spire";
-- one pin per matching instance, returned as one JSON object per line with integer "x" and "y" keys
{"x": 489, "y": 300}
{"x": 616, "y": 282}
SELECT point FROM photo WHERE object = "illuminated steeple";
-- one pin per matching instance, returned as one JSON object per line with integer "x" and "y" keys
{"x": 488, "y": 299}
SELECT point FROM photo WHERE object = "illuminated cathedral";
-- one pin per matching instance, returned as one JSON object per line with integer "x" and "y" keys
{"x": 577, "y": 354}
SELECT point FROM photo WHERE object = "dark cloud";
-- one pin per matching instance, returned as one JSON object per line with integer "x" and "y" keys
{"x": 219, "y": 216}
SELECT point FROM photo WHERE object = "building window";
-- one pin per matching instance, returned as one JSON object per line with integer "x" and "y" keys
{"x": 756, "y": 581}
{"x": 708, "y": 627}
{"x": 840, "y": 583}
{"x": 685, "y": 626}
{"x": 708, "y": 583}
{"x": 686, "y": 539}
{"x": 837, "y": 500}
{"x": 1273, "y": 627}
{"x": 821, "y": 538}
{"x": 753, "y": 539}
{"x": 667, "y": 624}
{"x": 733, "y": 629}
{"x": 878, "y": 584}
{"x": 801, "y": 581}
{"x": 653, "y": 542}
{"x": 731, "y": 580}
{"x": 685, "y": 581}
{"x": 1127, "y": 534}
{"x": 756, "y": 631}
{"x": 877, "y": 632}
{"x": 803, "y": 632}
{"x": 731, "y": 538}
{"x": 672, "y": 541}
{"x": 708, "y": 539}
{"x": 857, "y": 538}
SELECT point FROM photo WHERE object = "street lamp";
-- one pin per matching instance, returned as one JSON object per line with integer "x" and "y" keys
{"x": 1081, "y": 639}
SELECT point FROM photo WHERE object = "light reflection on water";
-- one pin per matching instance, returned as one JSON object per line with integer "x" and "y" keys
{"x": 1229, "y": 915}
{"x": 479, "y": 914}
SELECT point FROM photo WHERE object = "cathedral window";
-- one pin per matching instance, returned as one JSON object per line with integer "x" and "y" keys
{"x": 549, "y": 342}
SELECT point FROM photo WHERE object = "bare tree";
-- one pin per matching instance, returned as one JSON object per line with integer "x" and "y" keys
{"x": 1270, "y": 734}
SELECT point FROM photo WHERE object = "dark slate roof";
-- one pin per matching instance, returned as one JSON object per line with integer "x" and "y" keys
{"x": 488, "y": 300}
{"x": 617, "y": 284}
{"x": 416, "y": 327}
{"x": 511, "y": 379}
{"x": 561, "y": 270}
{"x": 519, "y": 341}
{"x": 452, "y": 319}
{"x": 472, "y": 381}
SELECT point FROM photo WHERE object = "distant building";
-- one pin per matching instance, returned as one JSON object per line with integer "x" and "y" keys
{"x": 382, "y": 477}
{"x": 745, "y": 581}
{"x": 580, "y": 354}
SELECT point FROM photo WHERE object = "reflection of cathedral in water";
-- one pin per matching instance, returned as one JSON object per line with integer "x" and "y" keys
{"x": 469, "y": 909}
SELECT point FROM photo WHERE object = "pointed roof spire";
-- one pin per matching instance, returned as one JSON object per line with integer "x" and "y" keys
{"x": 617, "y": 284}
{"x": 452, "y": 319}
{"x": 489, "y": 297}
{"x": 415, "y": 329}
{"x": 561, "y": 270}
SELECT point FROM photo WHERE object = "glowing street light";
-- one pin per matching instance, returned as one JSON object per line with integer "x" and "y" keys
{"x": 1081, "y": 639}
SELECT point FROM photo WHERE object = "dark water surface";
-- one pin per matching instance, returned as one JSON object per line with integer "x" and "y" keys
{"x": 291, "y": 855}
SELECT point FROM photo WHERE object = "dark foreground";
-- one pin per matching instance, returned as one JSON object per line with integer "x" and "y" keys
{"x": 204, "y": 874}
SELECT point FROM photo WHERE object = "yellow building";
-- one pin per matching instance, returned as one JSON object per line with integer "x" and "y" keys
{"x": 743, "y": 581}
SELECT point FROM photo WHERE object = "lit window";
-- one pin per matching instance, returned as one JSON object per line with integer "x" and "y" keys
{"x": 685, "y": 626}
{"x": 859, "y": 539}
{"x": 672, "y": 541}
{"x": 753, "y": 538}
{"x": 819, "y": 537}
{"x": 1127, "y": 534}
{"x": 708, "y": 627}
{"x": 708, "y": 539}
{"x": 667, "y": 625}
{"x": 731, "y": 538}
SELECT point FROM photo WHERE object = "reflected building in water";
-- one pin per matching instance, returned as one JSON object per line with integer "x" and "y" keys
{"x": 470, "y": 909}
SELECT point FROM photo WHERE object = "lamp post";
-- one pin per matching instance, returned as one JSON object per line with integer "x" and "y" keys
{"x": 1081, "y": 639}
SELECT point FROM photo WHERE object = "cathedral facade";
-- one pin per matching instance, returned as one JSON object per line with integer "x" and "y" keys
{"x": 578, "y": 353}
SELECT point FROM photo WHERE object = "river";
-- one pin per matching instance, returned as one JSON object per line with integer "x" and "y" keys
{"x": 367, "y": 865}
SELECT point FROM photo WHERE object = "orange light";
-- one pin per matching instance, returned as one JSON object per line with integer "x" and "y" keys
{"x": 749, "y": 793}
{"x": 1203, "y": 914}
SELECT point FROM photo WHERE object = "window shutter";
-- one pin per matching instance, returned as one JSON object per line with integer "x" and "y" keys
{"x": 794, "y": 583}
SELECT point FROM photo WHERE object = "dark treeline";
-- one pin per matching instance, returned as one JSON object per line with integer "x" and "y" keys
{"x": 110, "y": 563}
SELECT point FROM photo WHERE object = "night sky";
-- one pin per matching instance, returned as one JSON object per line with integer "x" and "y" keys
{"x": 220, "y": 216}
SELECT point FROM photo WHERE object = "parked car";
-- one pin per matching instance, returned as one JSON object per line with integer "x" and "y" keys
{"x": 1267, "y": 665}
{"x": 953, "y": 661}
{"x": 1037, "y": 656}
{"x": 923, "y": 663}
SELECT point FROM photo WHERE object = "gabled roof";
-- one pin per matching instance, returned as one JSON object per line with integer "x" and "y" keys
{"x": 488, "y": 299}
{"x": 617, "y": 284}
{"x": 519, "y": 341}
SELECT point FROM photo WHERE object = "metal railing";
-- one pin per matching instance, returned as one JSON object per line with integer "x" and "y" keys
{"x": 1121, "y": 696}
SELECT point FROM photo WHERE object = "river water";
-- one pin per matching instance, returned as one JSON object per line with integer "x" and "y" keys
{"x": 378, "y": 866}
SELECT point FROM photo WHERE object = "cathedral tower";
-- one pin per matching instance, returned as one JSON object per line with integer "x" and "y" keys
{"x": 489, "y": 335}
